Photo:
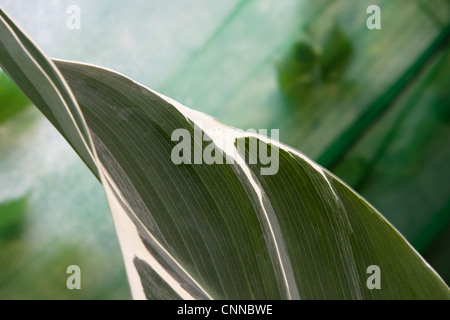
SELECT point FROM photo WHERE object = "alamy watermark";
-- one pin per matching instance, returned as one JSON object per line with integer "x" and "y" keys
{"x": 74, "y": 280}
{"x": 226, "y": 147}
{"x": 374, "y": 280}
{"x": 374, "y": 20}
{"x": 73, "y": 20}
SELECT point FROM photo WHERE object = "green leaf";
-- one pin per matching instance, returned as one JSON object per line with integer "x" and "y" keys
{"x": 221, "y": 231}
{"x": 224, "y": 58}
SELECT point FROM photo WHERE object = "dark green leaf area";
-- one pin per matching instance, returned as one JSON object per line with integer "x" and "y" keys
{"x": 307, "y": 67}
{"x": 333, "y": 236}
{"x": 155, "y": 287}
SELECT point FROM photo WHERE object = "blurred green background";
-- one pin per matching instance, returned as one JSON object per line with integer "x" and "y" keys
{"x": 372, "y": 106}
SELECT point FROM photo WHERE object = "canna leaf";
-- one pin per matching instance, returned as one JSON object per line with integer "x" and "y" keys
{"x": 214, "y": 231}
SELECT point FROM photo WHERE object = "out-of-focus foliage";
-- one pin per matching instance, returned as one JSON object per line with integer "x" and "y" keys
{"x": 12, "y": 99}
{"x": 307, "y": 67}
{"x": 52, "y": 215}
